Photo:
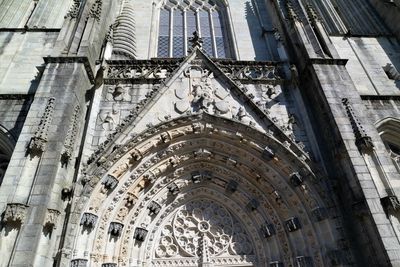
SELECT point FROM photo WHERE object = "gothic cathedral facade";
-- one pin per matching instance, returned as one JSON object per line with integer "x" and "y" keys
{"x": 205, "y": 133}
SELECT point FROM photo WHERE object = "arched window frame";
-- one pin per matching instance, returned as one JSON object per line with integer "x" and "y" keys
{"x": 221, "y": 6}
{"x": 389, "y": 129}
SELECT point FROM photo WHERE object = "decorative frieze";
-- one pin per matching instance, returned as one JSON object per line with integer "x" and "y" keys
{"x": 51, "y": 219}
{"x": 71, "y": 137}
{"x": 88, "y": 220}
{"x": 15, "y": 213}
{"x": 292, "y": 224}
{"x": 79, "y": 263}
{"x": 115, "y": 229}
{"x": 363, "y": 141}
{"x": 140, "y": 234}
{"x": 38, "y": 142}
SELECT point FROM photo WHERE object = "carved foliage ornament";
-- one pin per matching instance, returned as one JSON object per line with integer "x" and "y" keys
{"x": 15, "y": 212}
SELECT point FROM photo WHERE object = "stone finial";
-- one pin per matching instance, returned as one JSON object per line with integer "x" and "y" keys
{"x": 115, "y": 228}
{"x": 39, "y": 140}
{"x": 15, "y": 213}
{"x": 95, "y": 10}
{"x": 79, "y": 263}
{"x": 51, "y": 218}
{"x": 196, "y": 40}
{"x": 140, "y": 234}
{"x": 292, "y": 16}
{"x": 363, "y": 141}
{"x": 292, "y": 224}
{"x": 312, "y": 13}
{"x": 88, "y": 220}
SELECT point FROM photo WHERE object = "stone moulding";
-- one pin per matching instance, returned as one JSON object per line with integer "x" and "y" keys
{"x": 15, "y": 213}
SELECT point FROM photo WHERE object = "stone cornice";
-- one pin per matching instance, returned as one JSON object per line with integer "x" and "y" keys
{"x": 80, "y": 60}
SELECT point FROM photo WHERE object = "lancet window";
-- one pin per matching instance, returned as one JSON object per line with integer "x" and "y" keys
{"x": 180, "y": 18}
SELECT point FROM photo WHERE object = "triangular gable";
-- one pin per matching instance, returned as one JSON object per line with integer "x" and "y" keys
{"x": 199, "y": 85}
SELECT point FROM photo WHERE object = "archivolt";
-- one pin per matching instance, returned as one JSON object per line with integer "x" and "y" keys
{"x": 142, "y": 183}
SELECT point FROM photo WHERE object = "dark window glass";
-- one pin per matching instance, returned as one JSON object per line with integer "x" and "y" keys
{"x": 163, "y": 39}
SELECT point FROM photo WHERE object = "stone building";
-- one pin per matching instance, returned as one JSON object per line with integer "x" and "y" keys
{"x": 199, "y": 133}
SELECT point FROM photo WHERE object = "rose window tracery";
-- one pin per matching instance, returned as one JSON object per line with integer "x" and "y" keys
{"x": 202, "y": 222}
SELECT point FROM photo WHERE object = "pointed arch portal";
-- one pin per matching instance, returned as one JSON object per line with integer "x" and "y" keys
{"x": 201, "y": 191}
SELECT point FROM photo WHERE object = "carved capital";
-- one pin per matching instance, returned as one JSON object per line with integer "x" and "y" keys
{"x": 15, "y": 213}
{"x": 88, "y": 220}
{"x": 51, "y": 218}
{"x": 154, "y": 208}
{"x": 140, "y": 234}
{"x": 115, "y": 228}
{"x": 110, "y": 182}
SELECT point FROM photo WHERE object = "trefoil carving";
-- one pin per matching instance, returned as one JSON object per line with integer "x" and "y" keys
{"x": 15, "y": 213}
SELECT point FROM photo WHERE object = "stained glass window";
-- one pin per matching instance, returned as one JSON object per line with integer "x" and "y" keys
{"x": 206, "y": 17}
{"x": 163, "y": 37}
